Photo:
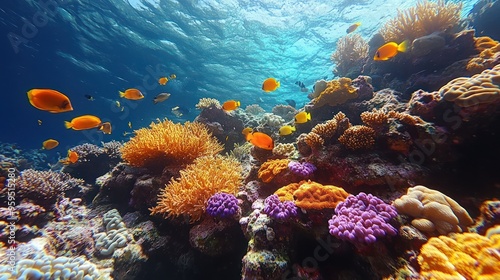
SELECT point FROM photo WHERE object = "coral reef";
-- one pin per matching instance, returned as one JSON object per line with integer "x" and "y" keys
{"x": 284, "y": 150}
{"x": 272, "y": 168}
{"x": 207, "y": 103}
{"x": 279, "y": 210}
{"x": 432, "y": 211}
{"x": 168, "y": 143}
{"x": 312, "y": 195}
{"x": 222, "y": 205}
{"x": 358, "y": 137}
{"x": 362, "y": 219}
{"x": 460, "y": 256}
{"x": 422, "y": 19}
{"x": 116, "y": 234}
{"x": 337, "y": 92}
{"x": 188, "y": 194}
{"x": 349, "y": 55}
{"x": 303, "y": 169}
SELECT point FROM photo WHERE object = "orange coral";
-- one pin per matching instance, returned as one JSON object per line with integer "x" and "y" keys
{"x": 337, "y": 92}
{"x": 349, "y": 55}
{"x": 326, "y": 130}
{"x": 167, "y": 143}
{"x": 423, "y": 19}
{"x": 485, "y": 42}
{"x": 312, "y": 195}
{"x": 358, "y": 137}
{"x": 269, "y": 169}
{"x": 313, "y": 140}
{"x": 488, "y": 57}
{"x": 460, "y": 256}
{"x": 188, "y": 194}
{"x": 375, "y": 118}
{"x": 286, "y": 193}
{"x": 405, "y": 118}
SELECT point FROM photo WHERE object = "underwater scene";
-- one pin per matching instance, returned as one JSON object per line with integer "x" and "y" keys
{"x": 250, "y": 139}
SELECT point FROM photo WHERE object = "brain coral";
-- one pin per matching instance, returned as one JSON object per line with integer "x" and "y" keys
{"x": 207, "y": 176}
{"x": 461, "y": 256}
{"x": 168, "y": 143}
{"x": 115, "y": 236}
{"x": 433, "y": 211}
{"x": 269, "y": 169}
{"x": 337, "y": 92}
{"x": 358, "y": 137}
{"x": 481, "y": 88}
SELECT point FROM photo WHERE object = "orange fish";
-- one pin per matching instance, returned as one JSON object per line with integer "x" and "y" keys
{"x": 353, "y": 27}
{"x": 260, "y": 140}
{"x": 132, "y": 94}
{"x": 83, "y": 122}
{"x": 390, "y": 50}
{"x": 270, "y": 84}
{"x": 49, "y": 100}
{"x": 105, "y": 128}
{"x": 230, "y": 105}
{"x": 49, "y": 144}
{"x": 163, "y": 81}
{"x": 72, "y": 158}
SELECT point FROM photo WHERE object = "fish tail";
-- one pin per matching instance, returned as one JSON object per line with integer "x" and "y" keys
{"x": 403, "y": 46}
{"x": 238, "y": 103}
{"x": 67, "y": 124}
{"x": 308, "y": 115}
{"x": 278, "y": 84}
{"x": 122, "y": 94}
{"x": 293, "y": 128}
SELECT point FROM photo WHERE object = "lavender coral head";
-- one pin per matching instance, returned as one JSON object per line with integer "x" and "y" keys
{"x": 279, "y": 210}
{"x": 362, "y": 219}
{"x": 304, "y": 169}
{"x": 222, "y": 205}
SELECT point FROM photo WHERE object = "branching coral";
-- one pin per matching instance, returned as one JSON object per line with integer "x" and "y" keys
{"x": 337, "y": 92}
{"x": 358, "y": 137}
{"x": 269, "y": 169}
{"x": 188, "y": 194}
{"x": 168, "y": 143}
{"x": 326, "y": 130}
{"x": 483, "y": 88}
{"x": 349, "y": 55}
{"x": 423, "y": 19}
{"x": 207, "y": 102}
{"x": 375, "y": 118}
{"x": 460, "y": 256}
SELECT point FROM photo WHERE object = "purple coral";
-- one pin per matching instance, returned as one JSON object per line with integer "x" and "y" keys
{"x": 304, "y": 169}
{"x": 222, "y": 205}
{"x": 279, "y": 210}
{"x": 362, "y": 219}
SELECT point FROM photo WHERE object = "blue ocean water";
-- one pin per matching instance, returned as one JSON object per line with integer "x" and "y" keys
{"x": 217, "y": 49}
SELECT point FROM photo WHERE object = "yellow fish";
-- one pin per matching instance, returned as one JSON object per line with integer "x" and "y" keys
{"x": 390, "y": 50}
{"x": 270, "y": 84}
{"x": 353, "y": 27}
{"x": 132, "y": 94}
{"x": 246, "y": 130}
{"x": 302, "y": 117}
{"x": 230, "y": 105}
{"x": 49, "y": 144}
{"x": 72, "y": 158}
{"x": 49, "y": 100}
{"x": 286, "y": 130}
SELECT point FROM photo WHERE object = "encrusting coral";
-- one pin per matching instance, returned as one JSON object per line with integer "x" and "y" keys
{"x": 269, "y": 169}
{"x": 168, "y": 143}
{"x": 489, "y": 55}
{"x": 460, "y": 256}
{"x": 433, "y": 211}
{"x": 349, "y": 55}
{"x": 422, "y": 19}
{"x": 312, "y": 195}
{"x": 199, "y": 181}
{"x": 483, "y": 88}
{"x": 337, "y": 92}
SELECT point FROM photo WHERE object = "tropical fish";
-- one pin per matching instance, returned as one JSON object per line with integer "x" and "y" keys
{"x": 161, "y": 97}
{"x": 179, "y": 111}
{"x": 302, "y": 117}
{"x": 49, "y": 144}
{"x": 270, "y": 84}
{"x": 132, "y": 94}
{"x": 83, "y": 122}
{"x": 105, "y": 128}
{"x": 117, "y": 103}
{"x": 129, "y": 124}
{"x": 230, "y": 105}
{"x": 89, "y": 97}
{"x": 163, "y": 81}
{"x": 173, "y": 76}
{"x": 49, "y": 100}
{"x": 286, "y": 130}
{"x": 72, "y": 158}
{"x": 390, "y": 50}
{"x": 39, "y": 122}
{"x": 353, "y": 27}
{"x": 291, "y": 102}
{"x": 260, "y": 140}
{"x": 246, "y": 130}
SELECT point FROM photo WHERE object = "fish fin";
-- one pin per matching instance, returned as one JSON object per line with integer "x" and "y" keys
{"x": 403, "y": 46}
{"x": 67, "y": 124}
{"x": 122, "y": 94}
